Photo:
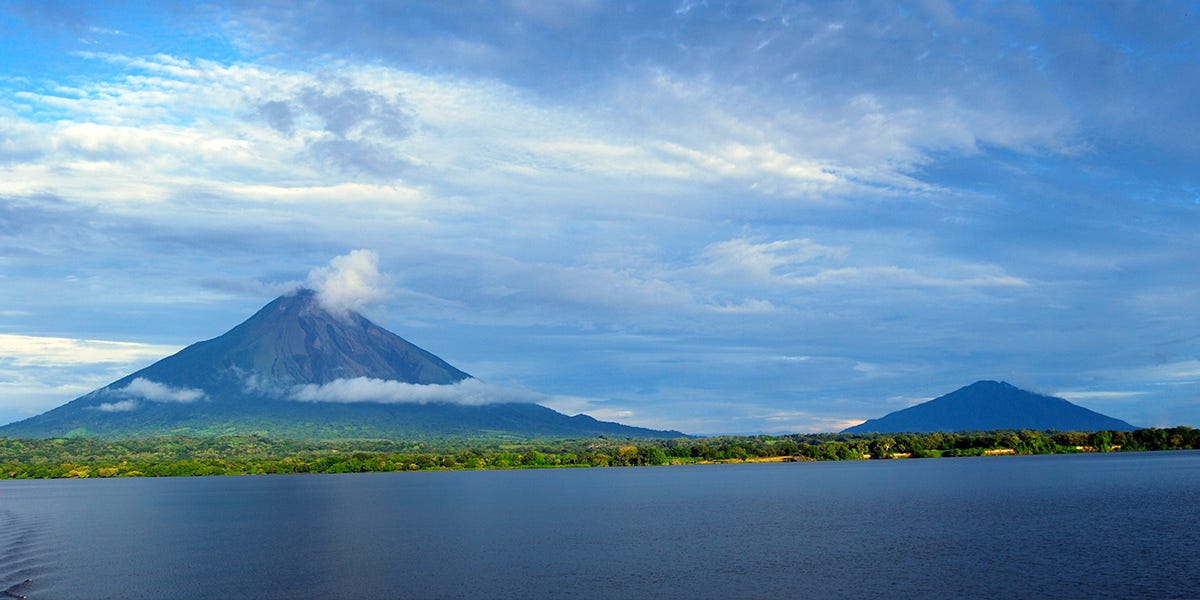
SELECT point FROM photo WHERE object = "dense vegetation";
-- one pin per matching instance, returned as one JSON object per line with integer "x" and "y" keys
{"x": 238, "y": 455}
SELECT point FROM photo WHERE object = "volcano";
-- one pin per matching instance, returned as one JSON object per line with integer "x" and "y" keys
{"x": 296, "y": 370}
{"x": 988, "y": 406}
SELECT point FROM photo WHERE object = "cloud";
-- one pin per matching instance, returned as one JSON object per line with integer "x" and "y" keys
{"x": 154, "y": 391}
{"x": 357, "y": 157}
{"x": 366, "y": 389}
{"x": 797, "y": 263}
{"x": 746, "y": 307}
{"x": 790, "y": 421}
{"x": 120, "y": 406}
{"x": 892, "y": 276}
{"x": 1097, "y": 395}
{"x": 38, "y": 373}
{"x": 19, "y": 142}
{"x": 28, "y": 350}
{"x": 763, "y": 262}
{"x": 278, "y": 114}
{"x": 351, "y": 282}
{"x": 1175, "y": 373}
{"x": 358, "y": 126}
{"x": 352, "y": 111}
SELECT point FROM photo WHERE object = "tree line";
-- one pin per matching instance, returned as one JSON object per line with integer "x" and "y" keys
{"x": 252, "y": 454}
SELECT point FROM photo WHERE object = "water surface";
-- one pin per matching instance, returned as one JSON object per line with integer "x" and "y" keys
{"x": 1116, "y": 525}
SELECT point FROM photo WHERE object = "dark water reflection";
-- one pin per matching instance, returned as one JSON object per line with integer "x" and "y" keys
{"x": 1120, "y": 526}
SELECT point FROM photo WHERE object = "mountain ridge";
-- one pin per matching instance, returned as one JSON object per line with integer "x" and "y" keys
{"x": 990, "y": 405}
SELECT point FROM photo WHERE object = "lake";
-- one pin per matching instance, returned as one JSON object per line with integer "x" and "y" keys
{"x": 1077, "y": 526}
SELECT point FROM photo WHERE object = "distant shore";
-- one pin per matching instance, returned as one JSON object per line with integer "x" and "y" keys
{"x": 252, "y": 455}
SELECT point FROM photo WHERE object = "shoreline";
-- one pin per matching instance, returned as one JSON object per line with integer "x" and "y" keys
{"x": 67, "y": 458}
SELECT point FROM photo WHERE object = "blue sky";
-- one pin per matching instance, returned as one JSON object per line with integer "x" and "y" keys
{"x": 712, "y": 217}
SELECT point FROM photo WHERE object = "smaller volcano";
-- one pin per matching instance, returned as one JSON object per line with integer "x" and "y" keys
{"x": 988, "y": 406}
{"x": 286, "y": 371}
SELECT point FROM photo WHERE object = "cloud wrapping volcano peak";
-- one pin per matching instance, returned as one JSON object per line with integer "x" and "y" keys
{"x": 351, "y": 282}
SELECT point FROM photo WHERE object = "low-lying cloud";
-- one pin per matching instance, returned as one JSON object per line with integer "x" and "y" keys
{"x": 158, "y": 392}
{"x": 385, "y": 391}
{"x": 150, "y": 391}
{"x": 121, "y": 406}
{"x": 351, "y": 282}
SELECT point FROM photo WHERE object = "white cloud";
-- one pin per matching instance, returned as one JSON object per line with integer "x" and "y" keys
{"x": 611, "y": 414}
{"x": 1097, "y": 395}
{"x": 29, "y": 350}
{"x": 154, "y": 391}
{"x": 38, "y": 373}
{"x": 746, "y": 307}
{"x": 763, "y": 262}
{"x": 793, "y": 421}
{"x": 1173, "y": 373}
{"x": 803, "y": 262}
{"x": 351, "y": 282}
{"x": 892, "y": 276}
{"x": 170, "y": 123}
{"x": 120, "y": 406}
{"x": 385, "y": 391}
{"x": 1178, "y": 372}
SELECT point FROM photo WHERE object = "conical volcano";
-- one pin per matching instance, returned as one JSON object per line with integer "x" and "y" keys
{"x": 294, "y": 340}
{"x": 991, "y": 405}
{"x": 296, "y": 369}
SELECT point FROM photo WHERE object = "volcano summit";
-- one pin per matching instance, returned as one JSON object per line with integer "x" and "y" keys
{"x": 294, "y": 369}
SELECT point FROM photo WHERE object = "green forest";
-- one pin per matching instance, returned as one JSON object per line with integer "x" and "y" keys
{"x": 244, "y": 455}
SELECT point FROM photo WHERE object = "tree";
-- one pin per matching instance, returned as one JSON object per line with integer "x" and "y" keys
{"x": 656, "y": 456}
{"x": 786, "y": 448}
{"x": 627, "y": 455}
{"x": 882, "y": 447}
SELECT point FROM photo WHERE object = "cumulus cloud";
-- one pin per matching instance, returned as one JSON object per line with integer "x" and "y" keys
{"x": 384, "y": 391}
{"x": 351, "y": 282}
{"x": 157, "y": 392}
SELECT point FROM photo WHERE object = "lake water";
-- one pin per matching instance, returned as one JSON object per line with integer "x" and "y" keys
{"x": 1077, "y": 526}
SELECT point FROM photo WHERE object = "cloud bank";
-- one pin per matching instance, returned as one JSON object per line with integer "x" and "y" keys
{"x": 366, "y": 389}
{"x": 351, "y": 282}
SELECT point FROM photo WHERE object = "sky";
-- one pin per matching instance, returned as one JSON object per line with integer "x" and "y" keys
{"x": 742, "y": 217}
